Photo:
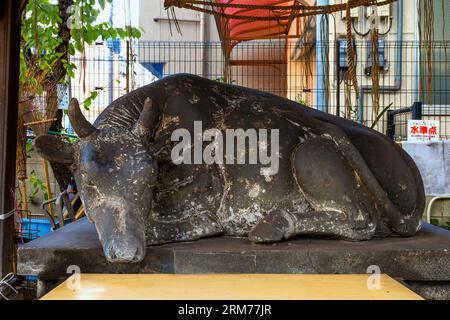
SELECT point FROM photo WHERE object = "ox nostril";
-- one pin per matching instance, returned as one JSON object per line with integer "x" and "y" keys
{"x": 125, "y": 254}
{"x": 110, "y": 254}
{"x": 140, "y": 254}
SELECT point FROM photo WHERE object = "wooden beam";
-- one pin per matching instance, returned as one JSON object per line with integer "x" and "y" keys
{"x": 256, "y": 62}
{"x": 9, "y": 91}
{"x": 231, "y": 286}
{"x": 274, "y": 35}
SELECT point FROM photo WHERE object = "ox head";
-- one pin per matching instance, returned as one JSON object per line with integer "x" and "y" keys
{"x": 115, "y": 174}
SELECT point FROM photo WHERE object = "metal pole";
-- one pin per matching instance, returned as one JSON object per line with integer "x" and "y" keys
{"x": 320, "y": 101}
{"x": 390, "y": 132}
{"x": 338, "y": 80}
{"x": 417, "y": 110}
{"x": 202, "y": 43}
{"x": 111, "y": 57}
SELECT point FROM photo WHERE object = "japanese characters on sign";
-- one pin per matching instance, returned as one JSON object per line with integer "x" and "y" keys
{"x": 423, "y": 130}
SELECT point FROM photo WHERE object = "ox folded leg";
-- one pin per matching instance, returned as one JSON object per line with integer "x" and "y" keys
{"x": 276, "y": 227}
{"x": 394, "y": 220}
{"x": 342, "y": 205}
{"x": 188, "y": 229}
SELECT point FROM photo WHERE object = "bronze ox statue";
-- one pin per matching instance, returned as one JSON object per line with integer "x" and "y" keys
{"x": 335, "y": 178}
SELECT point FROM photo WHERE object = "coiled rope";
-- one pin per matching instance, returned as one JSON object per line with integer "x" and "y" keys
{"x": 294, "y": 11}
{"x": 279, "y": 13}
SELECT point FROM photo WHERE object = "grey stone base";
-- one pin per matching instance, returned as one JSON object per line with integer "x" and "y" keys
{"x": 436, "y": 290}
{"x": 422, "y": 261}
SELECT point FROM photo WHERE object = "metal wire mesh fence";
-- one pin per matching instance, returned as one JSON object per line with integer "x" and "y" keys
{"x": 310, "y": 73}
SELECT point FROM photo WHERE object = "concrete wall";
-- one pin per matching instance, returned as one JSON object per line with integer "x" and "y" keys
{"x": 264, "y": 76}
{"x": 301, "y": 61}
{"x": 153, "y": 20}
{"x": 433, "y": 161}
{"x": 299, "y": 81}
{"x": 409, "y": 91}
{"x": 156, "y": 27}
{"x": 205, "y": 59}
{"x": 387, "y": 78}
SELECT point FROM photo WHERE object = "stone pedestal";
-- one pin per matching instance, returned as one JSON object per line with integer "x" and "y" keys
{"x": 422, "y": 262}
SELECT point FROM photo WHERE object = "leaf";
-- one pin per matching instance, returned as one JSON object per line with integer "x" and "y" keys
{"x": 94, "y": 95}
{"x": 135, "y": 33}
{"x": 29, "y": 148}
{"x": 112, "y": 33}
{"x": 87, "y": 103}
{"x": 36, "y": 66}
{"x": 121, "y": 32}
{"x": 381, "y": 115}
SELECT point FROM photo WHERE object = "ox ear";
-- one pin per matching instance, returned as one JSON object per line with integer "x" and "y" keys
{"x": 53, "y": 149}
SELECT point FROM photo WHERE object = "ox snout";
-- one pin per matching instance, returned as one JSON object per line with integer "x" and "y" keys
{"x": 121, "y": 229}
{"x": 124, "y": 251}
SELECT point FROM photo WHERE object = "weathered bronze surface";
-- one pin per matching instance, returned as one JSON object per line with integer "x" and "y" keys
{"x": 336, "y": 178}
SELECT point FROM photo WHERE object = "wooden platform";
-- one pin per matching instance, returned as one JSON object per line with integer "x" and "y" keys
{"x": 422, "y": 261}
{"x": 229, "y": 287}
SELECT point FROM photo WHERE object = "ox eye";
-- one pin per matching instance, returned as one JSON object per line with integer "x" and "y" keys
{"x": 89, "y": 184}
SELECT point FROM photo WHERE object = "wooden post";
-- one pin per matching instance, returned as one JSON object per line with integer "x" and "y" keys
{"x": 21, "y": 159}
{"x": 48, "y": 186}
{"x": 9, "y": 91}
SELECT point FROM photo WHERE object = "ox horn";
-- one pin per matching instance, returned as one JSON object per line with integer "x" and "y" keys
{"x": 146, "y": 119}
{"x": 79, "y": 123}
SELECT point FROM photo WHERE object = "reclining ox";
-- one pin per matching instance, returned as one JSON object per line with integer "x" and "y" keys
{"x": 335, "y": 178}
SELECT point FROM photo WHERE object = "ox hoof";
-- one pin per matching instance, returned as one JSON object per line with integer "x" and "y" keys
{"x": 265, "y": 232}
{"x": 277, "y": 225}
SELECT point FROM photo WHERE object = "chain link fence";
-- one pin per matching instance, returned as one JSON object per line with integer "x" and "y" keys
{"x": 310, "y": 73}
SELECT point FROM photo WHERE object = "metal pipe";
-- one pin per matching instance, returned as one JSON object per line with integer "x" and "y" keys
{"x": 417, "y": 51}
{"x": 202, "y": 44}
{"x": 158, "y": 19}
{"x": 56, "y": 133}
{"x": 398, "y": 70}
{"x": 320, "y": 101}
{"x": 338, "y": 80}
{"x": 111, "y": 58}
{"x": 432, "y": 201}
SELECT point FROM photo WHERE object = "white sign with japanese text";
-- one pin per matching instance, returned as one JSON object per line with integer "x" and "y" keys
{"x": 423, "y": 130}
